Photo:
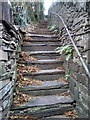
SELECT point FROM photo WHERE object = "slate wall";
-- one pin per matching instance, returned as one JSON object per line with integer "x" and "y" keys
{"x": 9, "y": 48}
{"x": 77, "y": 18}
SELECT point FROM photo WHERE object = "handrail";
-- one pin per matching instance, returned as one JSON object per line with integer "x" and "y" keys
{"x": 75, "y": 47}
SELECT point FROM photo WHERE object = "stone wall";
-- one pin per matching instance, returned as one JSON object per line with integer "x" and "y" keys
{"x": 9, "y": 48}
{"x": 77, "y": 18}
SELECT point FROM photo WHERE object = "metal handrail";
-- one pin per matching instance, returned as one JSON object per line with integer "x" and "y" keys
{"x": 75, "y": 47}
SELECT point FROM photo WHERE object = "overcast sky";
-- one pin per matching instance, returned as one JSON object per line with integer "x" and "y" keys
{"x": 47, "y": 4}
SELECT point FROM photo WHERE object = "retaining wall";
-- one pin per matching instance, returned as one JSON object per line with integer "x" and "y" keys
{"x": 9, "y": 47}
{"x": 77, "y": 18}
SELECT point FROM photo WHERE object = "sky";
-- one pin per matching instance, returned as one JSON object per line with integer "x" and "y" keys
{"x": 47, "y": 4}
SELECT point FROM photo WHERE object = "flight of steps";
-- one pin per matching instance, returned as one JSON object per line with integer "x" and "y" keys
{"x": 47, "y": 100}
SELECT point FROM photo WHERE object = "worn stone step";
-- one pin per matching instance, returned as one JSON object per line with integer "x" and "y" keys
{"x": 42, "y": 40}
{"x": 42, "y": 32}
{"x": 44, "y": 64}
{"x": 46, "y": 72}
{"x": 40, "y": 35}
{"x": 44, "y": 54}
{"x": 57, "y": 117}
{"x": 45, "y": 106}
{"x": 48, "y": 61}
{"x": 39, "y": 47}
{"x": 46, "y": 88}
{"x": 51, "y": 74}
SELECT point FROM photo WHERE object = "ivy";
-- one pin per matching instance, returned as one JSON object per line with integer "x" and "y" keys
{"x": 67, "y": 75}
{"x": 53, "y": 28}
{"x": 67, "y": 50}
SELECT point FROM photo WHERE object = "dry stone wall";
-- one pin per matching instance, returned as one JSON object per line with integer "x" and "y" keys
{"x": 9, "y": 48}
{"x": 77, "y": 18}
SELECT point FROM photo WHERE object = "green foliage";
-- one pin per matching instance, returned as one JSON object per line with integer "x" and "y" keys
{"x": 53, "y": 28}
{"x": 67, "y": 50}
{"x": 26, "y": 12}
{"x": 67, "y": 75}
{"x": 56, "y": 31}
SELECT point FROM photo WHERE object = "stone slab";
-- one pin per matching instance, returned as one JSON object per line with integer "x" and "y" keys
{"x": 2, "y": 68}
{"x": 39, "y": 45}
{"x": 42, "y": 40}
{"x": 38, "y": 35}
{"x": 48, "y": 100}
{"x": 3, "y": 55}
{"x": 41, "y": 52}
{"x": 5, "y": 90}
{"x": 39, "y": 48}
{"x": 45, "y": 111}
{"x": 46, "y": 85}
{"x": 3, "y": 83}
{"x": 45, "y": 72}
{"x": 45, "y": 61}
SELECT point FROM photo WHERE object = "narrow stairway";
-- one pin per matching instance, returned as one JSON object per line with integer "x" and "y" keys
{"x": 41, "y": 69}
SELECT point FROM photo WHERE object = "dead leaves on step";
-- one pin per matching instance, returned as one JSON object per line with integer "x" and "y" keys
{"x": 60, "y": 68}
{"x": 23, "y": 56}
{"x": 26, "y": 43}
{"x": 31, "y": 27}
{"x": 62, "y": 79}
{"x": 21, "y": 81}
{"x": 22, "y": 118}
{"x": 20, "y": 98}
{"x": 71, "y": 114}
{"x": 27, "y": 38}
{"x": 21, "y": 68}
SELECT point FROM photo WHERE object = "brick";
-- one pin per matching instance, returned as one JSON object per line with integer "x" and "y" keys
{"x": 3, "y": 55}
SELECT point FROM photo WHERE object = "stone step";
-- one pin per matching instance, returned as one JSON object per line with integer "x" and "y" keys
{"x": 44, "y": 54}
{"x": 44, "y": 64}
{"x": 48, "y": 61}
{"x": 43, "y": 41}
{"x": 39, "y": 47}
{"x": 45, "y": 106}
{"x": 46, "y": 72}
{"x": 40, "y": 35}
{"x": 46, "y": 88}
{"x": 51, "y": 74}
{"x": 42, "y": 32}
{"x": 57, "y": 117}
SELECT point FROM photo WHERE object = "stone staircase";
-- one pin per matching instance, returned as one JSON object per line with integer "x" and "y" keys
{"x": 49, "y": 98}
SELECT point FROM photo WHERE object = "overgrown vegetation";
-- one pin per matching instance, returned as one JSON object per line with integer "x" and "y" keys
{"x": 67, "y": 50}
{"x": 53, "y": 28}
{"x": 26, "y": 12}
{"x": 67, "y": 74}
